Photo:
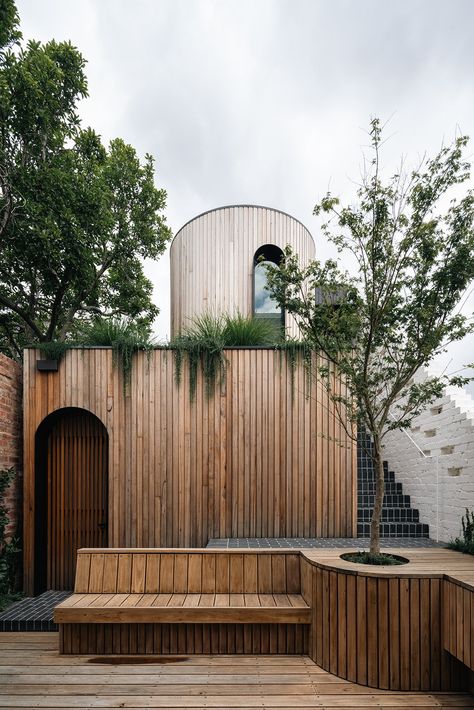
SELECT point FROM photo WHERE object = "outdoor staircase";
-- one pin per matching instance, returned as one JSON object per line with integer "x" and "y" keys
{"x": 399, "y": 519}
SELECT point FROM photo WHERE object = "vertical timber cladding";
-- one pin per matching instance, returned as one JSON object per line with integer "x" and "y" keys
{"x": 264, "y": 456}
{"x": 205, "y": 278}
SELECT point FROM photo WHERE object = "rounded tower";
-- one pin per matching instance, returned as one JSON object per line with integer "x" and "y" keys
{"x": 217, "y": 263}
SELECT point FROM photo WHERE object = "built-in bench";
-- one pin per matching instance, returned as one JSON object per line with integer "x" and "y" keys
{"x": 185, "y": 601}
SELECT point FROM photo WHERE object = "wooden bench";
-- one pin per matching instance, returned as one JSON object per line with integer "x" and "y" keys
{"x": 185, "y": 601}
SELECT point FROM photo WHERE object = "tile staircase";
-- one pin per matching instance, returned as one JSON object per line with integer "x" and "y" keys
{"x": 399, "y": 519}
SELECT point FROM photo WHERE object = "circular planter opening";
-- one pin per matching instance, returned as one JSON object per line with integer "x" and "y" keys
{"x": 365, "y": 558}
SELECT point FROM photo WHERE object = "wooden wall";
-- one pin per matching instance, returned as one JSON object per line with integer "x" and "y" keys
{"x": 260, "y": 458}
{"x": 211, "y": 259}
{"x": 380, "y": 630}
{"x": 459, "y": 620}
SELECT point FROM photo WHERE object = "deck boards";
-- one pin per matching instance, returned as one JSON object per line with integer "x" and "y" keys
{"x": 32, "y": 674}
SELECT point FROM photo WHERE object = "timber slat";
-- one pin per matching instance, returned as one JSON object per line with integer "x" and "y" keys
{"x": 167, "y": 471}
{"x": 175, "y": 614}
{"x": 391, "y": 627}
{"x": 38, "y": 677}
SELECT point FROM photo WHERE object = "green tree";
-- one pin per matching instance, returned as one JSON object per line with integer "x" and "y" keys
{"x": 76, "y": 218}
{"x": 412, "y": 241}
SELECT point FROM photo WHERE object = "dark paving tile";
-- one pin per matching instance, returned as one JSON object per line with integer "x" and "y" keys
{"x": 302, "y": 543}
{"x": 32, "y": 613}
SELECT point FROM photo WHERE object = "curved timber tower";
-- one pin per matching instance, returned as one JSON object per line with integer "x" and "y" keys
{"x": 216, "y": 262}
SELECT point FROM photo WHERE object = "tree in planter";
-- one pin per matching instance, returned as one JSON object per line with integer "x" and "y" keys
{"x": 415, "y": 260}
{"x": 76, "y": 217}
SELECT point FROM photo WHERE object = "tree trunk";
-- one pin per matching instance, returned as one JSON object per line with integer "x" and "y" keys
{"x": 379, "y": 494}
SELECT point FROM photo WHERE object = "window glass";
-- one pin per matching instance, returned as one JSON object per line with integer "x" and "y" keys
{"x": 263, "y": 302}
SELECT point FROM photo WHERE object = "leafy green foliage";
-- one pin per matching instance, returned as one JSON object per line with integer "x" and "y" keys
{"x": 297, "y": 351}
{"x": 8, "y": 547}
{"x": 53, "y": 350}
{"x": 238, "y": 330}
{"x": 123, "y": 336}
{"x": 367, "y": 558}
{"x": 203, "y": 341}
{"x": 415, "y": 259}
{"x": 466, "y": 542}
{"x": 76, "y": 217}
{"x": 9, "y": 21}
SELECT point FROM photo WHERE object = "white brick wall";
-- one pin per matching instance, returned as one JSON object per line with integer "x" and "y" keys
{"x": 454, "y": 426}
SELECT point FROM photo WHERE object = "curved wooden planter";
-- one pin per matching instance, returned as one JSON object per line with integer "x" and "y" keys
{"x": 381, "y": 628}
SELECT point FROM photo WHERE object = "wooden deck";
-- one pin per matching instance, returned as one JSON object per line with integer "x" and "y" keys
{"x": 33, "y": 675}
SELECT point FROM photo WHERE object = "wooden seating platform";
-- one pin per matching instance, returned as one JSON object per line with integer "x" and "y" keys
{"x": 395, "y": 628}
{"x": 184, "y": 608}
{"x": 151, "y": 591}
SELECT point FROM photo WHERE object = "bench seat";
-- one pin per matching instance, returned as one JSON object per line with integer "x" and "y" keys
{"x": 184, "y": 608}
{"x": 164, "y": 601}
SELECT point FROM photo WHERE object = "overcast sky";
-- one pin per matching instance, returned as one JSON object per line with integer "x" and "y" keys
{"x": 268, "y": 101}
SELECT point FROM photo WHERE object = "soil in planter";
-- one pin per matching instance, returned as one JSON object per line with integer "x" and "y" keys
{"x": 365, "y": 558}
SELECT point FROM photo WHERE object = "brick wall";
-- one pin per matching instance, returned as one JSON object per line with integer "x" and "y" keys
{"x": 11, "y": 435}
{"x": 441, "y": 483}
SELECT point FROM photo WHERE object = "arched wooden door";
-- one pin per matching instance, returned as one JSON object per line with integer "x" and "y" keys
{"x": 72, "y": 496}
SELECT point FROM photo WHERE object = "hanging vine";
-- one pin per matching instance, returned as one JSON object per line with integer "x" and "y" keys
{"x": 209, "y": 358}
{"x": 297, "y": 351}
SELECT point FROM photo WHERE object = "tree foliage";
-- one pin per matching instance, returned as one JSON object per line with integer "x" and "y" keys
{"x": 413, "y": 243}
{"x": 76, "y": 217}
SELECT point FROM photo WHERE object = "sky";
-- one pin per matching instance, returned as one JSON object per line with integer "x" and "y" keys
{"x": 268, "y": 102}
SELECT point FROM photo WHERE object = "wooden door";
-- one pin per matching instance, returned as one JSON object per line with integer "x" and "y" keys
{"x": 76, "y": 493}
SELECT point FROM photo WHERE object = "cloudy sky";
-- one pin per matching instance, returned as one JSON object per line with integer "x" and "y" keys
{"x": 268, "y": 101}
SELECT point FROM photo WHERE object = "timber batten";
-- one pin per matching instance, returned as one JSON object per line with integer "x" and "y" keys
{"x": 381, "y": 627}
{"x": 212, "y": 260}
{"x": 264, "y": 456}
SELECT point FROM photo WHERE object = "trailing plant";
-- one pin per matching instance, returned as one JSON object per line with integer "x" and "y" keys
{"x": 297, "y": 351}
{"x": 466, "y": 542}
{"x": 123, "y": 336}
{"x": 8, "y": 547}
{"x": 53, "y": 350}
{"x": 204, "y": 340}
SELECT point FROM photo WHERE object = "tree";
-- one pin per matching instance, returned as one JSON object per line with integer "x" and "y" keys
{"x": 414, "y": 252}
{"x": 76, "y": 218}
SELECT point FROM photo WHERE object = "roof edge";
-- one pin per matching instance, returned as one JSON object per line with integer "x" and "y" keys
{"x": 226, "y": 207}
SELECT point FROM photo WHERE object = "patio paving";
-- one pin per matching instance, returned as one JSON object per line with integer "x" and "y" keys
{"x": 300, "y": 543}
{"x": 32, "y": 613}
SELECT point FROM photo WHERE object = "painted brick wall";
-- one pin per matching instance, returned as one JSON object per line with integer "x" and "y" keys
{"x": 445, "y": 433}
{"x": 11, "y": 434}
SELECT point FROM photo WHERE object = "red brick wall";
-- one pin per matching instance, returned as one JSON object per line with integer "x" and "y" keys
{"x": 11, "y": 435}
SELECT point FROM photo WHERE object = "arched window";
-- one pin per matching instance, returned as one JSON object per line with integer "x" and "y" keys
{"x": 264, "y": 306}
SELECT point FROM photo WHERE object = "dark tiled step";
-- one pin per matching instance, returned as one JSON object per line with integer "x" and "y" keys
{"x": 396, "y": 500}
{"x": 32, "y": 613}
{"x": 368, "y": 488}
{"x": 367, "y": 474}
{"x": 395, "y": 530}
{"x": 395, "y": 515}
